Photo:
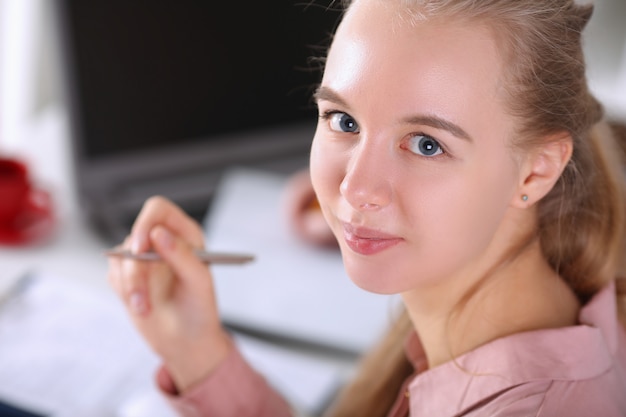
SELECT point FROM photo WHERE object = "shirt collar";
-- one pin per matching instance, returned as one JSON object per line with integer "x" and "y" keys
{"x": 569, "y": 353}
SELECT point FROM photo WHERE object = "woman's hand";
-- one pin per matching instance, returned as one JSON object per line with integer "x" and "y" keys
{"x": 171, "y": 302}
{"x": 303, "y": 211}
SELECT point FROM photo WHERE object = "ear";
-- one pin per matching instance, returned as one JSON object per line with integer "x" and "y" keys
{"x": 542, "y": 168}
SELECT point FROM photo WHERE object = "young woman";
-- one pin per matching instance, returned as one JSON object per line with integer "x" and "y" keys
{"x": 460, "y": 161}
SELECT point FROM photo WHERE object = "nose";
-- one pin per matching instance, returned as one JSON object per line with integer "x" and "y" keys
{"x": 366, "y": 185}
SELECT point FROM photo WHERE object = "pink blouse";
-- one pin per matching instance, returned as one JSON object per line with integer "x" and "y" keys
{"x": 571, "y": 371}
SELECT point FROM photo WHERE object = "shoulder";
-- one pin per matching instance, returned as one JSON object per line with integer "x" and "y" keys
{"x": 601, "y": 396}
{"x": 579, "y": 371}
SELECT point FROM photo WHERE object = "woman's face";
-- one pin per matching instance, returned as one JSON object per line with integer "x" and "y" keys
{"x": 410, "y": 160}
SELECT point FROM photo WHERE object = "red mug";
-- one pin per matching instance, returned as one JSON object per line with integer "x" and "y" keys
{"x": 15, "y": 189}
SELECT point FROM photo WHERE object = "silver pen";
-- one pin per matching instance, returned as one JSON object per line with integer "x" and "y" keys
{"x": 206, "y": 257}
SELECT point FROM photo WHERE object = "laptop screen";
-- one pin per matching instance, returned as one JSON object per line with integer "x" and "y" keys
{"x": 162, "y": 89}
{"x": 153, "y": 73}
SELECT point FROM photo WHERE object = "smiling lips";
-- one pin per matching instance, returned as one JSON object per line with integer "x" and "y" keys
{"x": 367, "y": 241}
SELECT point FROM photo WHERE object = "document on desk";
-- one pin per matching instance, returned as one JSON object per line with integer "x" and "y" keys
{"x": 71, "y": 351}
{"x": 292, "y": 288}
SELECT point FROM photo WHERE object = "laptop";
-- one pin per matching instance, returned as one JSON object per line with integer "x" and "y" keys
{"x": 164, "y": 96}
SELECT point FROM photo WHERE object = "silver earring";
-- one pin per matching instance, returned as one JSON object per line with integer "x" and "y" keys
{"x": 524, "y": 197}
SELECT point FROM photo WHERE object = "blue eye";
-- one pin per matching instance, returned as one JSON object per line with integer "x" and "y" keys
{"x": 343, "y": 122}
{"x": 424, "y": 145}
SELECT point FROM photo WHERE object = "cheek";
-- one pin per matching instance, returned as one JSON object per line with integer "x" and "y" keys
{"x": 476, "y": 203}
{"x": 459, "y": 211}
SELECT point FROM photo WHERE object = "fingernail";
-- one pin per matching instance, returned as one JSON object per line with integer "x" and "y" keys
{"x": 137, "y": 243}
{"x": 138, "y": 303}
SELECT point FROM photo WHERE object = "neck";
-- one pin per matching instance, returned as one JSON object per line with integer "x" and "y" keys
{"x": 523, "y": 295}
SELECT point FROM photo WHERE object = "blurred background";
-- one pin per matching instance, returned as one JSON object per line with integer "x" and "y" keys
{"x": 127, "y": 105}
{"x": 159, "y": 99}
{"x": 109, "y": 102}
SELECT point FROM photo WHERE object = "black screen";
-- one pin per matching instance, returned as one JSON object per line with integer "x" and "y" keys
{"x": 164, "y": 72}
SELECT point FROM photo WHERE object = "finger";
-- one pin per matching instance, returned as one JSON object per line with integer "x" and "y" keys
{"x": 132, "y": 282}
{"x": 179, "y": 255}
{"x": 130, "y": 287}
{"x": 298, "y": 194}
{"x": 135, "y": 286}
{"x": 316, "y": 230}
{"x": 160, "y": 211}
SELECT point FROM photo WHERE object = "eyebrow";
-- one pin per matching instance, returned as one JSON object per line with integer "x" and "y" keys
{"x": 327, "y": 94}
{"x": 439, "y": 123}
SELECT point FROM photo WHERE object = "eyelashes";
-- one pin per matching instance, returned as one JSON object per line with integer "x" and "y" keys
{"x": 420, "y": 144}
{"x": 423, "y": 145}
{"x": 340, "y": 122}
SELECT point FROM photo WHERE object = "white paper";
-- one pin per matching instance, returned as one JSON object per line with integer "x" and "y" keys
{"x": 69, "y": 351}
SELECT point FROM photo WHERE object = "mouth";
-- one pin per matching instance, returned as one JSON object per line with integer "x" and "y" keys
{"x": 366, "y": 241}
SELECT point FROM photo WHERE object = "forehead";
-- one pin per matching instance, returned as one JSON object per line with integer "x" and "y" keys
{"x": 439, "y": 65}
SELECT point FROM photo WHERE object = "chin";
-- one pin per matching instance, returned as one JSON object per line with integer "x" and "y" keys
{"x": 368, "y": 279}
{"x": 371, "y": 274}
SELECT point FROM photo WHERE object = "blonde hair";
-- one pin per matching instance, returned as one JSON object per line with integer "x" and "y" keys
{"x": 582, "y": 220}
